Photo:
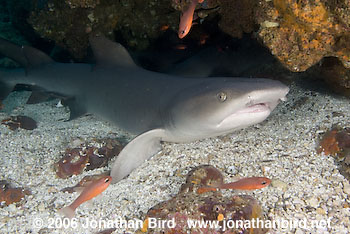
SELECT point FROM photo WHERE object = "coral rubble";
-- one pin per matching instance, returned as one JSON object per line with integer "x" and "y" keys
{"x": 87, "y": 157}
{"x": 20, "y": 121}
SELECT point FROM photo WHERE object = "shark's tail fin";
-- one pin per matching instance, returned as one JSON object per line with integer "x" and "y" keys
{"x": 12, "y": 51}
{"x": 5, "y": 88}
{"x": 15, "y": 53}
{"x": 26, "y": 56}
{"x": 4, "y": 91}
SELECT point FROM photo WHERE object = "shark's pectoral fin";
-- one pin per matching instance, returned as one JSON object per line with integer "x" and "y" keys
{"x": 38, "y": 97}
{"x": 38, "y": 94}
{"x": 136, "y": 152}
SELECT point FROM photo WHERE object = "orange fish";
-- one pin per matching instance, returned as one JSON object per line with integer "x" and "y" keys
{"x": 180, "y": 47}
{"x": 91, "y": 191}
{"x": 206, "y": 189}
{"x": 203, "y": 39}
{"x": 250, "y": 183}
{"x": 187, "y": 18}
{"x": 164, "y": 27}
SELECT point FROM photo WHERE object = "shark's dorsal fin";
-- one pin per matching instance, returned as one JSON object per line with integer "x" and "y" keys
{"x": 109, "y": 53}
{"x": 26, "y": 56}
{"x": 76, "y": 110}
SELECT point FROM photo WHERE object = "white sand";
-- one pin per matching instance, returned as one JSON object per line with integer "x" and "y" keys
{"x": 281, "y": 148}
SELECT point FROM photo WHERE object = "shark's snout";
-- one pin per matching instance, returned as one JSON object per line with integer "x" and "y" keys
{"x": 269, "y": 96}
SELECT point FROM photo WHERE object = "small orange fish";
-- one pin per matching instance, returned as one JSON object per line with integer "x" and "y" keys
{"x": 203, "y": 39}
{"x": 250, "y": 183}
{"x": 164, "y": 28}
{"x": 91, "y": 191}
{"x": 187, "y": 18}
{"x": 180, "y": 47}
{"x": 206, "y": 189}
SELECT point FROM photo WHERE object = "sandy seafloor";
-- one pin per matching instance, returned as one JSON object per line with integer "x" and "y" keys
{"x": 281, "y": 148}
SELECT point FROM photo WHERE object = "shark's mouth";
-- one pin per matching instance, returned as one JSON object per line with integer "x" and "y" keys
{"x": 261, "y": 106}
{"x": 250, "y": 113}
{"x": 255, "y": 108}
{"x": 261, "y": 109}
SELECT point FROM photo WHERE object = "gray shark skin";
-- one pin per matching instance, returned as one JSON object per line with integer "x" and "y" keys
{"x": 155, "y": 106}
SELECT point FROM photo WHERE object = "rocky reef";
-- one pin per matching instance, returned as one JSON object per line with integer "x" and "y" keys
{"x": 335, "y": 75}
{"x": 300, "y": 34}
{"x": 304, "y": 33}
{"x": 69, "y": 22}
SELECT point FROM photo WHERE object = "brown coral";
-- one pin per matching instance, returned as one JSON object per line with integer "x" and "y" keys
{"x": 71, "y": 164}
{"x": 210, "y": 206}
{"x": 329, "y": 144}
{"x": 9, "y": 195}
{"x": 336, "y": 142}
{"x": 202, "y": 176}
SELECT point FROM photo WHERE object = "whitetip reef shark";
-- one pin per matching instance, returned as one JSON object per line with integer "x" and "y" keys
{"x": 155, "y": 106}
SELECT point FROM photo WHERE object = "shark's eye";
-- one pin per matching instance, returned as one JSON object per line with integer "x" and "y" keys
{"x": 222, "y": 96}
